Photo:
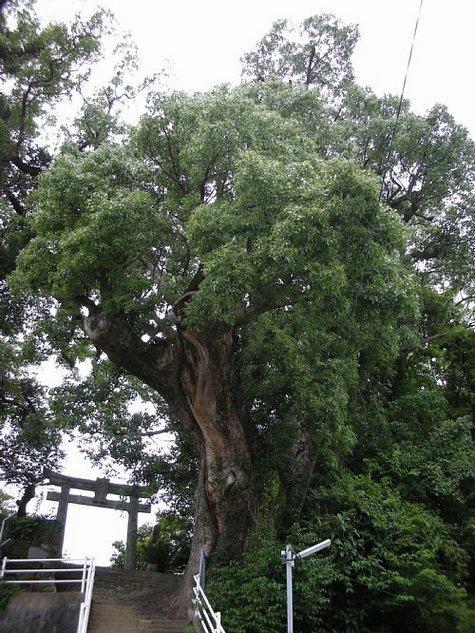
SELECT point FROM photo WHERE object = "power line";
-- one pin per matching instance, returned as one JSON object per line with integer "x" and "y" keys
{"x": 401, "y": 98}
{"x": 387, "y": 154}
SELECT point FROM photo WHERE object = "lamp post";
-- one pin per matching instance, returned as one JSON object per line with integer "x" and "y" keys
{"x": 290, "y": 557}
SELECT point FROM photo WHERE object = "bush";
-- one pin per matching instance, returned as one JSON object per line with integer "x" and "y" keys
{"x": 393, "y": 566}
{"x": 251, "y": 594}
{"x": 36, "y": 531}
{"x": 165, "y": 547}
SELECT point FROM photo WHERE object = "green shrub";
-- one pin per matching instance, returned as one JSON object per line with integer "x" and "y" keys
{"x": 251, "y": 594}
{"x": 36, "y": 531}
{"x": 393, "y": 567}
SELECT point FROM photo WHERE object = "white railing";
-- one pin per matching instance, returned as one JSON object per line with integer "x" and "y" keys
{"x": 208, "y": 619}
{"x": 84, "y": 568}
{"x": 85, "y": 608}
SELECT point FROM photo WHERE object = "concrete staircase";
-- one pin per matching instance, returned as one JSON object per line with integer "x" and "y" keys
{"x": 135, "y": 602}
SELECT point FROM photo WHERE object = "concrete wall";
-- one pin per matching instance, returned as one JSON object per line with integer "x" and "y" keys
{"x": 42, "y": 613}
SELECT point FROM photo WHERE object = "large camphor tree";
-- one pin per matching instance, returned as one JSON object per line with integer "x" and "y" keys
{"x": 217, "y": 216}
{"x": 260, "y": 261}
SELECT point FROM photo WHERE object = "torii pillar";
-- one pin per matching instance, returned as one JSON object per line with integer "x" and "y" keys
{"x": 61, "y": 516}
{"x": 131, "y": 544}
{"x": 101, "y": 488}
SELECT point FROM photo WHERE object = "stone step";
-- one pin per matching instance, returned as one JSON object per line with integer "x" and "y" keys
{"x": 117, "y": 588}
{"x": 121, "y": 626}
{"x": 105, "y": 603}
{"x": 133, "y": 627}
{"x": 133, "y": 581}
{"x": 118, "y": 595}
{"x": 138, "y": 584}
{"x": 113, "y": 617}
{"x": 157, "y": 624}
{"x": 112, "y": 627}
{"x": 108, "y": 616}
{"x": 135, "y": 585}
{"x": 107, "y": 572}
{"x": 136, "y": 581}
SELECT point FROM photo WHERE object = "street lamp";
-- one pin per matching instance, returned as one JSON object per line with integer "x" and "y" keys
{"x": 289, "y": 559}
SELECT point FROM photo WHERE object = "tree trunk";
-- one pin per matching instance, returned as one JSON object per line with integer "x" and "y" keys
{"x": 210, "y": 382}
{"x": 198, "y": 376}
{"x": 296, "y": 474}
{"x": 28, "y": 494}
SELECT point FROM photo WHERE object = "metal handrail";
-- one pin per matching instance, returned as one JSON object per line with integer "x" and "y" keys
{"x": 85, "y": 608}
{"x": 86, "y": 572}
{"x": 209, "y": 619}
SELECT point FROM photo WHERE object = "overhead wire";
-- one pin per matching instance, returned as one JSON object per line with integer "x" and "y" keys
{"x": 387, "y": 155}
{"x": 401, "y": 99}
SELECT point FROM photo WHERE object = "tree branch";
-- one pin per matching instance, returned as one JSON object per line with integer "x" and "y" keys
{"x": 468, "y": 298}
{"x": 16, "y": 204}
{"x": 153, "y": 364}
{"x": 189, "y": 292}
{"x": 85, "y": 301}
{"x": 252, "y": 311}
{"x": 26, "y": 168}
{"x": 308, "y": 74}
{"x": 152, "y": 433}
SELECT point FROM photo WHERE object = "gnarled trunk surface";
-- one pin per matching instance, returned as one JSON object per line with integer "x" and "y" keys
{"x": 197, "y": 375}
{"x": 209, "y": 381}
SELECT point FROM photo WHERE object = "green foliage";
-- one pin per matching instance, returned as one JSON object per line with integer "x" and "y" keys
{"x": 32, "y": 531}
{"x": 392, "y": 566}
{"x": 250, "y": 594}
{"x": 108, "y": 218}
{"x": 432, "y": 463}
{"x": 6, "y": 506}
{"x": 316, "y": 54}
{"x": 88, "y": 239}
{"x": 399, "y": 563}
{"x": 427, "y": 178}
{"x": 39, "y": 66}
{"x": 30, "y": 437}
{"x": 163, "y": 548}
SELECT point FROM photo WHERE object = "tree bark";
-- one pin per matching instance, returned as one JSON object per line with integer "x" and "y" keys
{"x": 296, "y": 474}
{"x": 197, "y": 375}
{"x": 210, "y": 381}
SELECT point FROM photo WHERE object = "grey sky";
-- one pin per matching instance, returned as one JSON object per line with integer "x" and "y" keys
{"x": 204, "y": 40}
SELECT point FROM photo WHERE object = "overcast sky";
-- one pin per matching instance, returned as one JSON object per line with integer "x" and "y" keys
{"x": 202, "y": 42}
{"x": 205, "y": 39}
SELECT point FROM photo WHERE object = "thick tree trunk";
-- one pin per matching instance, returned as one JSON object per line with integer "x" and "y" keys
{"x": 210, "y": 381}
{"x": 225, "y": 493}
{"x": 296, "y": 474}
{"x": 198, "y": 376}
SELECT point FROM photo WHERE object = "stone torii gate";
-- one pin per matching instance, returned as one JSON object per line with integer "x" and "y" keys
{"x": 101, "y": 488}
